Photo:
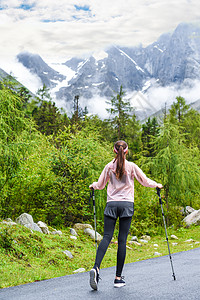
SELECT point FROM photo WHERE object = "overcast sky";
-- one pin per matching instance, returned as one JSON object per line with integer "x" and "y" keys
{"x": 66, "y": 28}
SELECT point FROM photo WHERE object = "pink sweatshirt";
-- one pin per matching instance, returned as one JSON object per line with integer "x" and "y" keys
{"x": 122, "y": 190}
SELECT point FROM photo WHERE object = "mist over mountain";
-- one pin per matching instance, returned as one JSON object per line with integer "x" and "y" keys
{"x": 169, "y": 65}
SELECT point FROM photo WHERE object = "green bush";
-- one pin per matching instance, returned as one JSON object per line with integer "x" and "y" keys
{"x": 6, "y": 239}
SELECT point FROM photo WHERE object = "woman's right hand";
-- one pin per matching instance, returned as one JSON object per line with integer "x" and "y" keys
{"x": 160, "y": 186}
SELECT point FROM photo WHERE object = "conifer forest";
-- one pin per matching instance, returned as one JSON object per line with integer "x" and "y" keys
{"x": 48, "y": 159}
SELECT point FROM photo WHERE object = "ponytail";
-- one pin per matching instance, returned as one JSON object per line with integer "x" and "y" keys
{"x": 120, "y": 148}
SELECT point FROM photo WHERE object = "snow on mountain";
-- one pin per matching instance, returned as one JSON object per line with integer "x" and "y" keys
{"x": 147, "y": 84}
{"x": 136, "y": 65}
{"x": 99, "y": 55}
{"x": 67, "y": 72}
{"x": 158, "y": 48}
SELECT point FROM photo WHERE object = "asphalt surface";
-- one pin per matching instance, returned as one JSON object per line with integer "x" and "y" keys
{"x": 148, "y": 279}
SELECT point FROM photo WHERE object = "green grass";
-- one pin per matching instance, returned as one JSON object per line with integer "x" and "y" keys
{"x": 28, "y": 257}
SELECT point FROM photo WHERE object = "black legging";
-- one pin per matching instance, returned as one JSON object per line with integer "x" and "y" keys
{"x": 109, "y": 226}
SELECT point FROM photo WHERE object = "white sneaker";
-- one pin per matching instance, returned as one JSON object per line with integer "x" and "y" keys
{"x": 119, "y": 282}
{"x": 94, "y": 278}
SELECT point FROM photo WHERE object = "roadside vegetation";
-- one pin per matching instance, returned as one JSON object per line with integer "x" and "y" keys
{"x": 28, "y": 257}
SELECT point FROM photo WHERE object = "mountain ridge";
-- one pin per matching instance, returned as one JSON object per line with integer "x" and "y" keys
{"x": 174, "y": 59}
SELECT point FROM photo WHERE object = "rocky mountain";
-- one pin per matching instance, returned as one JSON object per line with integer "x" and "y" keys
{"x": 105, "y": 76}
{"x": 180, "y": 59}
{"x": 37, "y": 66}
{"x": 173, "y": 59}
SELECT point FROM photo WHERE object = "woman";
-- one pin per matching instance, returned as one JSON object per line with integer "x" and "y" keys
{"x": 120, "y": 175}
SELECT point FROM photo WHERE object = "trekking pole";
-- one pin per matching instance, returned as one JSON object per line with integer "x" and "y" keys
{"x": 95, "y": 221}
{"x": 170, "y": 257}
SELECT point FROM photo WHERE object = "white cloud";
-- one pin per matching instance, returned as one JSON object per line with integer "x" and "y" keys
{"x": 58, "y": 31}
{"x": 75, "y": 32}
{"x": 158, "y": 96}
{"x": 96, "y": 105}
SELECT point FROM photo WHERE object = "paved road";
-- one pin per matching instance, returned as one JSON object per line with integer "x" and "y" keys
{"x": 148, "y": 279}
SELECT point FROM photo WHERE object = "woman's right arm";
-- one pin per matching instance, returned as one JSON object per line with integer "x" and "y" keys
{"x": 103, "y": 179}
{"x": 143, "y": 179}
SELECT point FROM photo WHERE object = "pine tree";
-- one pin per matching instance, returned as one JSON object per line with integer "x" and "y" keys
{"x": 43, "y": 93}
{"x": 178, "y": 110}
{"x": 119, "y": 113}
{"x": 46, "y": 114}
{"x": 175, "y": 166}
{"x": 149, "y": 130}
{"x": 187, "y": 119}
{"x": 191, "y": 127}
{"x": 133, "y": 137}
{"x": 78, "y": 112}
{"x": 48, "y": 118}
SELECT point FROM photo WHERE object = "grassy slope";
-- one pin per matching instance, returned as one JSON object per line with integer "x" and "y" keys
{"x": 35, "y": 256}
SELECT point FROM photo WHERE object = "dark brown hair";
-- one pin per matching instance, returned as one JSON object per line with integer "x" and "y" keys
{"x": 119, "y": 148}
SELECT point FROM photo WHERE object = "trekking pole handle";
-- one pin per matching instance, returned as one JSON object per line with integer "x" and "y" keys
{"x": 91, "y": 194}
{"x": 158, "y": 193}
{"x": 93, "y": 197}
